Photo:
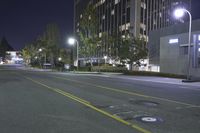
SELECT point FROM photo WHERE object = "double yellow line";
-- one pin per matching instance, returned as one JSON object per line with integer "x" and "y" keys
{"x": 88, "y": 104}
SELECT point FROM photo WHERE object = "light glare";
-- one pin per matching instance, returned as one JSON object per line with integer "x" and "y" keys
{"x": 71, "y": 41}
{"x": 178, "y": 13}
{"x": 59, "y": 58}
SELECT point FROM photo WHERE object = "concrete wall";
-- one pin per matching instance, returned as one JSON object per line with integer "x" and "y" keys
{"x": 154, "y": 38}
{"x": 173, "y": 60}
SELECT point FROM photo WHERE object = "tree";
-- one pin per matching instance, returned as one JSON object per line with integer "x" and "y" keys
{"x": 4, "y": 46}
{"x": 132, "y": 50}
{"x": 65, "y": 55}
{"x": 29, "y": 52}
{"x": 49, "y": 43}
{"x": 88, "y": 33}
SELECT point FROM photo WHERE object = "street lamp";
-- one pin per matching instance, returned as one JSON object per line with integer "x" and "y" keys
{"x": 45, "y": 56}
{"x": 73, "y": 41}
{"x": 105, "y": 57}
{"x": 178, "y": 13}
{"x": 59, "y": 59}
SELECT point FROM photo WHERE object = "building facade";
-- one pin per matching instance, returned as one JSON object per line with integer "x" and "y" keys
{"x": 121, "y": 17}
{"x": 172, "y": 46}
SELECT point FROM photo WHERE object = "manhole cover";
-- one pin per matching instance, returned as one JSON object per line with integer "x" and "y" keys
{"x": 144, "y": 103}
{"x": 149, "y": 119}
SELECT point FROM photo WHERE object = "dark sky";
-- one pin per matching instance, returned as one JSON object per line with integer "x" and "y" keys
{"x": 21, "y": 21}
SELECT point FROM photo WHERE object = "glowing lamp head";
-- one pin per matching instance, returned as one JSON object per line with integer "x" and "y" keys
{"x": 59, "y": 59}
{"x": 178, "y": 13}
{"x": 71, "y": 41}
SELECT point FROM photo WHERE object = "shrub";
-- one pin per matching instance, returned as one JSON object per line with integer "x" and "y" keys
{"x": 145, "y": 73}
{"x": 108, "y": 69}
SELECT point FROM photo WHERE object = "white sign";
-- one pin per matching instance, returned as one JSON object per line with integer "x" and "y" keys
{"x": 172, "y": 41}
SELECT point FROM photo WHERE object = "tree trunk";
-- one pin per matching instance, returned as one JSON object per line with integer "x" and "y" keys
{"x": 131, "y": 66}
{"x": 91, "y": 62}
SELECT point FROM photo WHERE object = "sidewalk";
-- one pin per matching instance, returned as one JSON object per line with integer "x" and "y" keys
{"x": 35, "y": 69}
{"x": 154, "y": 79}
{"x": 161, "y": 80}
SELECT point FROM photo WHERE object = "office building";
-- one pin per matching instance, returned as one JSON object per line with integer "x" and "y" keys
{"x": 121, "y": 17}
{"x": 171, "y": 44}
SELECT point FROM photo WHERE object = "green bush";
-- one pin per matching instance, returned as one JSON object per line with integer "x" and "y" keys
{"x": 87, "y": 69}
{"x": 108, "y": 68}
{"x": 145, "y": 73}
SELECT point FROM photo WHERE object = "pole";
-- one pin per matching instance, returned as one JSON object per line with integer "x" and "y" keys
{"x": 77, "y": 53}
{"x": 189, "y": 44}
{"x": 45, "y": 58}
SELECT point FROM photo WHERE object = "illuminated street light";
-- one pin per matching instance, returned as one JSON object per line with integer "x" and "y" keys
{"x": 105, "y": 57}
{"x": 59, "y": 59}
{"x": 40, "y": 50}
{"x": 45, "y": 56}
{"x": 73, "y": 41}
{"x": 178, "y": 13}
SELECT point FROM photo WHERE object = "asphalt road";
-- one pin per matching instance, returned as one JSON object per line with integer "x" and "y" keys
{"x": 52, "y": 102}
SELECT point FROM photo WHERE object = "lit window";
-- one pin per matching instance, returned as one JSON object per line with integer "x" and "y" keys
{"x": 77, "y": 30}
{"x": 199, "y": 37}
{"x": 103, "y": 17}
{"x": 100, "y": 34}
{"x": 199, "y": 50}
{"x": 113, "y": 12}
{"x": 143, "y": 5}
{"x": 117, "y": 1}
{"x": 172, "y": 41}
{"x": 102, "y": 1}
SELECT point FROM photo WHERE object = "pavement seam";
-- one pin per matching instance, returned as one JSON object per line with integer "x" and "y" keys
{"x": 88, "y": 104}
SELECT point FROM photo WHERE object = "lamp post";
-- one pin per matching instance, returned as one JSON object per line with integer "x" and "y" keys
{"x": 45, "y": 56}
{"x": 73, "y": 41}
{"x": 178, "y": 13}
{"x": 105, "y": 57}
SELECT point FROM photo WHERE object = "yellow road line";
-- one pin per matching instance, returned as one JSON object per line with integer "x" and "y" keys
{"x": 129, "y": 93}
{"x": 86, "y": 103}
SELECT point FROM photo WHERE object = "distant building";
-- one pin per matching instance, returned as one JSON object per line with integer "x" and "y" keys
{"x": 168, "y": 49}
{"x": 13, "y": 57}
{"x": 123, "y": 16}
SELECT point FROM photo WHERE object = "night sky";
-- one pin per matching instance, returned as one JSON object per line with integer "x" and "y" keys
{"x": 21, "y": 21}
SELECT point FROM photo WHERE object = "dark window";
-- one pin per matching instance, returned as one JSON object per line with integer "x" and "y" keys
{"x": 183, "y": 50}
{"x": 128, "y": 15}
{"x": 198, "y": 62}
